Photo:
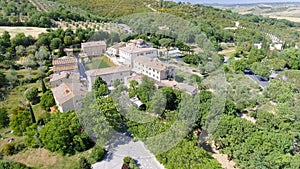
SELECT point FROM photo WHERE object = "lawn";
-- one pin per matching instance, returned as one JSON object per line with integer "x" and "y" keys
{"x": 44, "y": 159}
{"x": 99, "y": 62}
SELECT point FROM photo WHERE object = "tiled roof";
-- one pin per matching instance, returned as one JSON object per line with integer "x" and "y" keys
{"x": 65, "y": 68}
{"x": 67, "y": 91}
{"x": 66, "y": 75}
{"x": 133, "y": 49}
{"x": 109, "y": 70}
{"x": 118, "y": 45}
{"x": 64, "y": 61}
{"x": 153, "y": 63}
{"x": 93, "y": 44}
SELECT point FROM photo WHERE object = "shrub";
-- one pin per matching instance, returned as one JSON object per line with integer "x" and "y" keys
{"x": 97, "y": 154}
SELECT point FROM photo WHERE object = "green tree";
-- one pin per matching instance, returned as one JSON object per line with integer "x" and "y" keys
{"x": 20, "y": 122}
{"x": 55, "y": 43}
{"x": 3, "y": 79}
{"x": 260, "y": 69}
{"x": 31, "y": 114}
{"x": 47, "y": 101}
{"x": 32, "y": 136}
{"x": 84, "y": 163}
{"x": 44, "y": 88}
{"x": 158, "y": 103}
{"x": 4, "y": 120}
{"x": 145, "y": 89}
{"x": 68, "y": 40}
{"x": 133, "y": 88}
{"x": 100, "y": 87}
{"x": 31, "y": 95}
{"x": 64, "y": 134}
{"x": 239, "y": 65}
{"x": 97, "y": 154}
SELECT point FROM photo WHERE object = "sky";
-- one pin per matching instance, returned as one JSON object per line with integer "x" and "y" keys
{"x": 234, "y": 1}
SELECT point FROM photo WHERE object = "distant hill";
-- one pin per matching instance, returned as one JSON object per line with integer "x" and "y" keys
{"x": 110, "y": 8}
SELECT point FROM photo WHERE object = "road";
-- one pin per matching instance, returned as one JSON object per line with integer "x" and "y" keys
{"x": 126, "y": 28}
{"x": 149, "y": 6}
{"x": 81, "y": 67}
{"x": 262, "y": 84}
{"x": 121, "y": 146}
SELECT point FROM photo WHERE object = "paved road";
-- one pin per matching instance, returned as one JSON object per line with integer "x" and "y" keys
{"x": 262, "y": 84}
{"x": 81, "y": 67}
{"x": 121, "y": 146}
{"x": 126, "y": 28}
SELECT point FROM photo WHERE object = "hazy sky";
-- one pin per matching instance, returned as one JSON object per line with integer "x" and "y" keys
{"x": 234, "y": 1}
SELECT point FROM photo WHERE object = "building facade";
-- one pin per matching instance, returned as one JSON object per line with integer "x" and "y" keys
{"x": 65, "y": 63}
{"x": 131, "y": 52}
{"x": 114, "y": 50}
{"x": 109, "y": 75}
{"x": 153, "y": 68}
{"x": 69, "y": 96}
{"x": 94, "y": 48}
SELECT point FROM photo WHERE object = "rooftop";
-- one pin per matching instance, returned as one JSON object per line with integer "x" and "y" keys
{"x": 66, "y": 91}
{"x": 118, "y": 45}
{"x": 153, "y": 63}
{"x": 93, "y": 44}
{"x": 108, "y": 70}
{"x": 134, "y": 49}
{"x": 64, "y": 60}
{"x": 60, "y": 68}
{"x": 66, "y": 75}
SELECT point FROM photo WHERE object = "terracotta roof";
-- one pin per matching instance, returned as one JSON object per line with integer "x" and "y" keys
{"x": 153, "y": 63}
{"x": 67, "y": 91}
{"x": 133, "y": 49}
{"x": 64, "y": 61}
{"x": 109, "y": 70}
{"x": 65, "y": 68}
{"x": 93, "y": 44}
{"x": 65, "y": 75}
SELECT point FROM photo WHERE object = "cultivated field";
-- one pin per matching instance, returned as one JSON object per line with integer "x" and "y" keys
{"x": 285, "y": 11}
{"x": 33, "y": 31}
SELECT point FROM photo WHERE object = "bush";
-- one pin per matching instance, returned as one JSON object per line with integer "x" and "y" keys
{"x": 4, "y": 120}
{"x": 9, "y": 149}
{"x": 97, "y": 154}
{"x": 12, "y": 165}
{"x": 84, "y": 164}
{"x": 13, "y": 148}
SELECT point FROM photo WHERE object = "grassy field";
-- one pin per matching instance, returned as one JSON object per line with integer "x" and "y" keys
{"x": 99, "y": 62}
{"x": 293, "y": 19}
{"x": 33, "y": 31}
{"x": 44, "y": 159}
{"x": 228, "y": 52}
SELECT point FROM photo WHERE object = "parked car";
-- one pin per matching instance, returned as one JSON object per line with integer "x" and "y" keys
{"x": 10, "y": 140}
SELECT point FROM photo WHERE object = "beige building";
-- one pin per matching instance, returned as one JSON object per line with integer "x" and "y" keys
{"x": 94, "y": 48}
{"x": 153, "y": 68}
{"x": 69, "y": 96}
{"x": 109, "y": 75}
{"x": 64, "y": 77}
{"x": 131, "y": 52}
{"x": 114, "y": 50}
{"x": 65, "y": 63}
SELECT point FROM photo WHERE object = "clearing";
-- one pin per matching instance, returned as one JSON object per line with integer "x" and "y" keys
{"x": 44, "y": 159}
{"x": 14, "y": 30}
{"x": 99, "y": 62}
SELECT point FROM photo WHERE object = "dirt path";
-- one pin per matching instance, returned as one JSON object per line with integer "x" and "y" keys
{"x": 223, "y": 159}
{"x": 246, "y": 117}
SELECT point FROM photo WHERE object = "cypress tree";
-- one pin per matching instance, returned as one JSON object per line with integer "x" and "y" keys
{"x": 32, "y": 114}
{"x": 44, "y": 88}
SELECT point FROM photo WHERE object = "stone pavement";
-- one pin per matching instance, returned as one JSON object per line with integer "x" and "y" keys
{"x": 121, "y": 146}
